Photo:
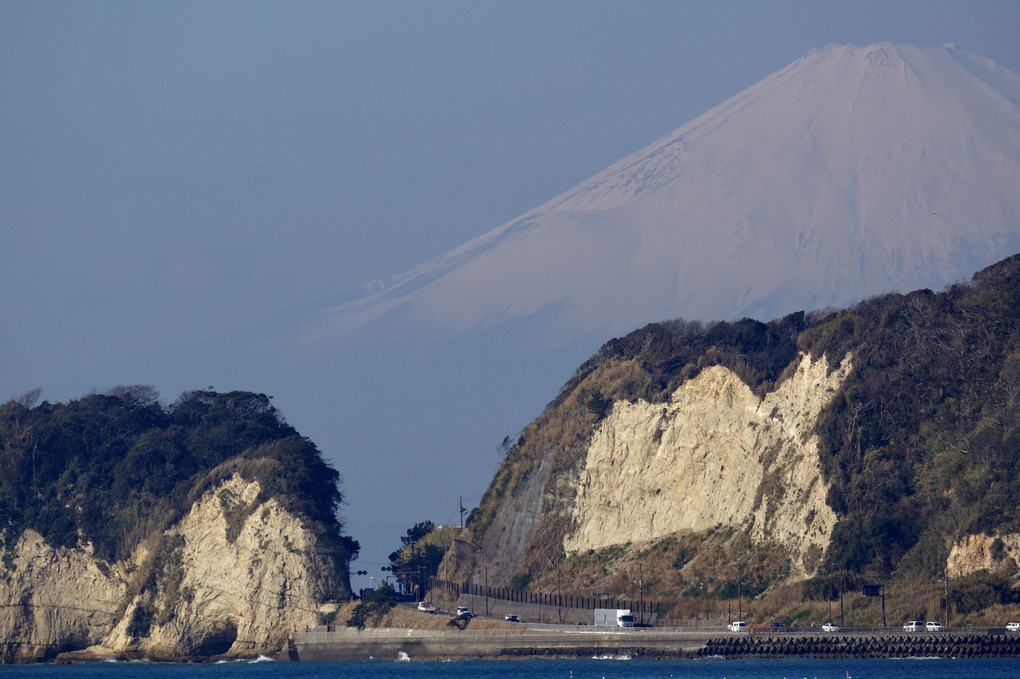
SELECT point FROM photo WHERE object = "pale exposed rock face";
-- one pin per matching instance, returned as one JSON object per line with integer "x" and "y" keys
{"x": 714, "y": 454}
{"x": 212, "y": 595}
{"x": 983, "y": 552}
{"x": 54, "y": 599}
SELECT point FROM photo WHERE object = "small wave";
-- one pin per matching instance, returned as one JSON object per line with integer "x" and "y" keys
{"x": 403, "y": 657}
{"x": 261, "y": 658}
{"x": 610, "y": 656}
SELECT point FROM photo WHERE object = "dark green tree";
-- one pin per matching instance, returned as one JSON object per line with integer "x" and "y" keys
{"x": 373, "y": 606}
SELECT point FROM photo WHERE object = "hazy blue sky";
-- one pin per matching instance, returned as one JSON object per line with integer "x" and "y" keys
{"x": 171, "y": 170}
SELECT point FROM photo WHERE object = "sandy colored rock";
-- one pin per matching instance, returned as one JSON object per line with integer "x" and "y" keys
{"x": 714, "y": 454}
{"x": 212, "y": 595}
{"x": 983, "y": 552}
{"x": 54, "y": 598}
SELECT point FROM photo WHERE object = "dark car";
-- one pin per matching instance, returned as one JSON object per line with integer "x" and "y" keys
{"x": 511, "y": 618}
{"x": 777, "y": 627}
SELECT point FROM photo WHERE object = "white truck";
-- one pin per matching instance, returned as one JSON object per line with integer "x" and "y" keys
{"x": 613, "y": 617}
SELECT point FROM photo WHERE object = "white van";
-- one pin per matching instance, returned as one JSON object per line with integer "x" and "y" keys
{"x": 738, "y": 626}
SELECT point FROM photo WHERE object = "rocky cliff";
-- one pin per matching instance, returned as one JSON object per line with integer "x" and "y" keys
{"x": 133, "y": 528}
{"x": 879, "y": 443}
{"x": 984, "y": 552}
{"x": 709, "y": 455}
{"x": 714, "y": 454}
{"x": 197, "y": 590}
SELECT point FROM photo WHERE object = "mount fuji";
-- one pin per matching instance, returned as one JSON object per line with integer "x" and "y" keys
{"x": 852, "y": 172}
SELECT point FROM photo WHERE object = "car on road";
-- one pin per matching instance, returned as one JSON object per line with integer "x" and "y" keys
{"x": 464, "y": 612}
{"x": 934, "y": 626}
{"x": 737, "y": 626}
{"x": 913, "y": 626}
{"x": 426, "y": 607}
{"x": 829, "y": 627}
{"x": 777, "y": 627}
{"x": 1013, "y": 626}
{"x": 511, "y": 618}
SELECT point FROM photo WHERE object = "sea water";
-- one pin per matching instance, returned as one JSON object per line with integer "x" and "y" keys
{"x": 606, "y": 668}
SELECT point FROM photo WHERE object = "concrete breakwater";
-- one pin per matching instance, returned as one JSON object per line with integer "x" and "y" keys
{"x": 961, "y": 645}
{"x": 351, "y": 644}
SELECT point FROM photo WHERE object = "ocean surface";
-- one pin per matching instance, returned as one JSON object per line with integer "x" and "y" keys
{"x": 910, "y": 668}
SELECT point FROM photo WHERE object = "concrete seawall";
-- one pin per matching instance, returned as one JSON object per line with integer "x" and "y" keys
{"x": 351, "y": 644}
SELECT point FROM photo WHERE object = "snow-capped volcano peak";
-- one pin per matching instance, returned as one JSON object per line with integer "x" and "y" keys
{"x": 852, "y": 171}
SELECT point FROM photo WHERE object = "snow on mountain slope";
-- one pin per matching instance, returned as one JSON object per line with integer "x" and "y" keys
{"x": 851, "y": 172}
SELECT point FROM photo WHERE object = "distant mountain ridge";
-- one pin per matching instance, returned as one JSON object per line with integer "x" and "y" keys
{"x": 851, "y": 172}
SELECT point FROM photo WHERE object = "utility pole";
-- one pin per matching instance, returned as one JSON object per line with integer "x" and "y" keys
{"x": 540, "y": 604}
{"x": 486, "y": 559}
{"x": 559, "y": 598}
{"x": 883, "y": 604}
{"x": 740, "y": 608}
{"x": 462, "y": 513}
{"x": 946, "y": 581}
{"x": 841, "y": 595}
{"x": 641, "y": 595}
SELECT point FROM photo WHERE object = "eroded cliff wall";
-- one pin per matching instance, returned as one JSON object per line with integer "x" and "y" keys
{"x": 973, "y": 553}
{"x": 203, "y": 591}
{"x": 714, "y": 454}
{"x": 54, "y": 599}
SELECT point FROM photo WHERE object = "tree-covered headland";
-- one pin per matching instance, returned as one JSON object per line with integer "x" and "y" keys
{"x": 113, "y": 469}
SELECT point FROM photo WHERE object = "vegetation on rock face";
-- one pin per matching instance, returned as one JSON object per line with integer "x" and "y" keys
{"x": 110, "y": 470}
{"x": 921, "y": 444}
{"x": 672, "y": 352}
